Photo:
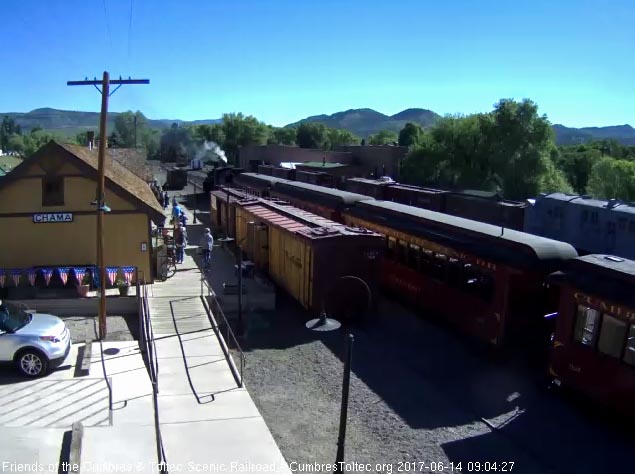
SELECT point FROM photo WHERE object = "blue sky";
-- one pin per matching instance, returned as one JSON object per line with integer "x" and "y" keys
{"x": 283, "y": 60}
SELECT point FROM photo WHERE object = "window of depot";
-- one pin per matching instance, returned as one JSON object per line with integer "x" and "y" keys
{"x": 612, "y": 336}
{"x": 629, "y": 352}
{"x": 586, "y": 325}
{"x": 53, "y": 191}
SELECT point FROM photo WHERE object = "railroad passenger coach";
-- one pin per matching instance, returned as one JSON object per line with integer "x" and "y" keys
{"x": 258, "y": 184}
{"x": 308, "y": 255}
{"x": 487, "y": 280}
{"x": 325, "y": 202}
{"x": 594, "y": 344}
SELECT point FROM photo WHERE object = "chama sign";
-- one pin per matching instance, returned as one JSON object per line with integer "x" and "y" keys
{"x": 53, "y": 217}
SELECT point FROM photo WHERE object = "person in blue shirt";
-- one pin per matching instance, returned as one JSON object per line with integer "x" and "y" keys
{"x": 176, "y": 213}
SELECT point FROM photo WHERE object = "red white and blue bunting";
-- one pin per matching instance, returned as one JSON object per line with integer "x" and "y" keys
{"x": 31, "y": 274}
{"x": 16, "y": 275}
{"x": 112, "y": 273}
{"x": 47, "y": 272}
{"x": 64, "y": 272}
{"x": 128, "y": 273}
{"x": 79, "y": 274}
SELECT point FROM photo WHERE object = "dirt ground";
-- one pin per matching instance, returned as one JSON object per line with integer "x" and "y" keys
{"x": 119, "y": 328}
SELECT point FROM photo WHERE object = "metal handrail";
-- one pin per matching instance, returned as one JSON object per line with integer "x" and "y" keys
{"x": 238, "y": 373}
{"x": 148, "y": 345}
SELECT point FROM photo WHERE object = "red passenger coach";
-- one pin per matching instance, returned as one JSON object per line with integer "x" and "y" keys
{"x": 594, "y": 345}
{"x": 484, "y": 279}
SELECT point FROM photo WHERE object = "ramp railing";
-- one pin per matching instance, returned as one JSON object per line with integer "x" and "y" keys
{"x": 148, "y": 346}
{"x": 223, "y": 330}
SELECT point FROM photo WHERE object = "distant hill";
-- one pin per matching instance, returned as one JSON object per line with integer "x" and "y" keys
{"x": 69, "y": 122}
{"x": 364, "y": 122}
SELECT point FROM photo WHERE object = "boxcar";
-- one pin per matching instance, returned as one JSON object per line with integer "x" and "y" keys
{"x": 284, "y": 173}
{"x": 487, "y": 282}
{"x": 221, "y": 212}
{"x": 425, "y": 198}
{"x": 369, "y": 187}
{"x": 306, "y": 254}
{"x": 266, "y": 169}
{"x": 176, "y": 178}
{"x": 257, "y": 184}
{"x": 326, "y": 202}
{"x": 488, "y": 207}
{"x": 316, "y": 178}
{"x": 594, "y": 343}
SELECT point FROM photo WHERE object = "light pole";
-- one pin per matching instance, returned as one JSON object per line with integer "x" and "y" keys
{"x": 341, "y": 439}
{"x": 195, "y": 204}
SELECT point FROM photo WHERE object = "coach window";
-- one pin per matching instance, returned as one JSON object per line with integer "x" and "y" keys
{"x": 414, "y": 257}
{"x": 631, "y": 226}
{"x": 440, "y": 263}
{"x": 455, "y": 272}
{"x": 612, "y": 336}
{"x": 594, "y": 217}
{"x": 392, "y": 247}
{"x": 629, "y": 353}
{"x": 53, "y": 191}
{"x": 402, "y": 252}
{"x": 586, "y": 325}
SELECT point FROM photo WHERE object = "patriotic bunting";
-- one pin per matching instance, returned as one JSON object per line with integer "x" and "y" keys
{"x": 2, "y": 278}
{"x": 79, "y": 274}
{"x": 31, "y": 273}
{"x": 16, "y": 274}
{"x": 128, "y": 273}
{"x": 112, "y": 274}
{"x": 63, "y": 272}
{"x": 47, "y": 272}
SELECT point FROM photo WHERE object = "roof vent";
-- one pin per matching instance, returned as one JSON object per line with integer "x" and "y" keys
{"x": 613, "y": 259}
{"x": 613, "y": 203}
{"x": 358, "y": 230}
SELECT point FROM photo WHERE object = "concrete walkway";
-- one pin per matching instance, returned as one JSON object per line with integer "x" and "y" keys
{"x": 207, "y": 421}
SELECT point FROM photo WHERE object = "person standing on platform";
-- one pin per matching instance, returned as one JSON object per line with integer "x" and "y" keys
{"x": 176, "y": 213}
{"x": 180, "y": 239}
{"x": 207, "y": 242}
{"x": 166, "y": 200}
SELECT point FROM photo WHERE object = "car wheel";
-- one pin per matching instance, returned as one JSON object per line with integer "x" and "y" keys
{"x": 32, "y": 363}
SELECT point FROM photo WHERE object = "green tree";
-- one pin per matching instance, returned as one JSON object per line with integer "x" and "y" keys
{"x": 312, "y": 135}
{"x": 241, "y": 131}
{"x": 283, "y": 136}
{"x": 338, "y": 137}
{"x": 128, "y": 133}
{"x": 552, "y": 179}
{"x": 383, "y": 137}
{"x": 410, "y": 135}
{"x": 7, "y": 129}
{"x": 175, "y": 143}
{"x": 612, "y": 178}
{"x": 577, "y": 165}
{"x": 210, "y": 133}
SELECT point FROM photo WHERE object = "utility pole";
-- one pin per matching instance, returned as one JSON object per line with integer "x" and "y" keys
{"x": 101, "y": 170}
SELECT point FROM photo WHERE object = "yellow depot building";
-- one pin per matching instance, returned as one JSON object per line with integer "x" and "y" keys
{"x": 48, "y": 219}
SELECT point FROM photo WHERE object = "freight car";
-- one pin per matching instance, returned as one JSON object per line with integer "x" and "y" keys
{"x": 306, "y": 255}
{"x": 223, "y": 210}
{"x": 176, "y": 179}
{"x": 484, "y": 280}
{"x": 594, "y": 344}
{"x": 590, "y": 225}
{"x": 316, "y": 178}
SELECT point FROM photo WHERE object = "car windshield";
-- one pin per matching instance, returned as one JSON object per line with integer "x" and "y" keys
{"x": 13, "y": 317}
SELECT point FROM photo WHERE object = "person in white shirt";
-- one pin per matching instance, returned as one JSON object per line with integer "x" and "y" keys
{"x": 207, "y": 242}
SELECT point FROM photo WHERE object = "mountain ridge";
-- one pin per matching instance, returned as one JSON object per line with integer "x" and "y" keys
{"x": 362, "y": 122}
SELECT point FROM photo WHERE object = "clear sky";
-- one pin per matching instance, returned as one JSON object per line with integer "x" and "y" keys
{"x": 283, "y": 60}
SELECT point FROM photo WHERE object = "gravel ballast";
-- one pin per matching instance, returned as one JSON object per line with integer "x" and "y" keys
{"x": 421, "y": 398}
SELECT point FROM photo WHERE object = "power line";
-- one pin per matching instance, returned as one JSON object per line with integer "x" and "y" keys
{"x": 130, "y": 28}
{"x": 107, "y": 25}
